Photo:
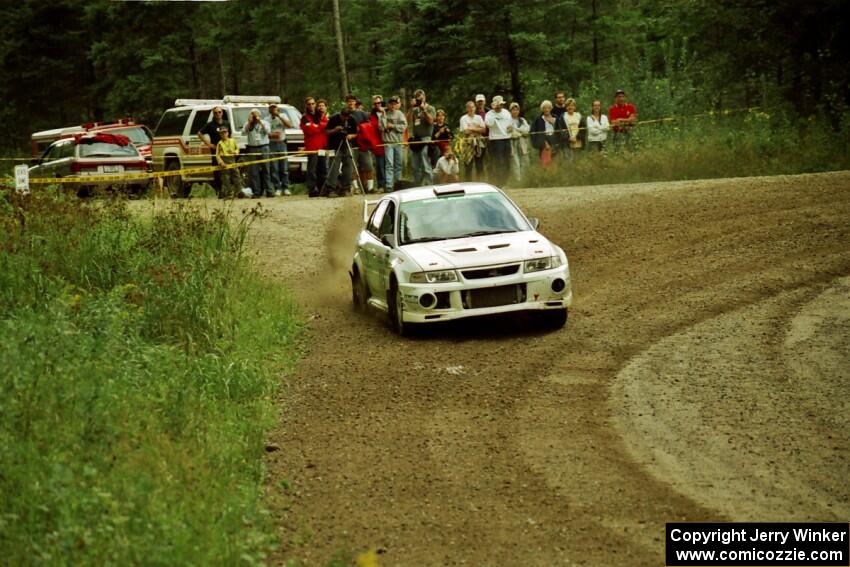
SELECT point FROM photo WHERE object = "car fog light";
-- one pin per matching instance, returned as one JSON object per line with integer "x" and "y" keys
{"x": 558, "y": 285}
{"x": 427, "y": 300}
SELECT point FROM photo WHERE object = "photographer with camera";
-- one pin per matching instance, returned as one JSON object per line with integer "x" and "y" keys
{"x": 447, "y": 169}
{"x": 421, "y": 115}
{"x": 342, "y": 132}
{"x": 257, "y": 130}
{"x": 279, "y": 122}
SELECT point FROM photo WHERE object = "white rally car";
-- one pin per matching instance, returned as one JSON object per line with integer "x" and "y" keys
{"x": 445, "y": 252}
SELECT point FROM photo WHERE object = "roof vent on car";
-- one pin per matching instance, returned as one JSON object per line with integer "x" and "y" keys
{"x": 465, "y": 250}
{"x": 494, "y": 246}
{"x": 254, "y": 99}
{"x": 445, "y": 190}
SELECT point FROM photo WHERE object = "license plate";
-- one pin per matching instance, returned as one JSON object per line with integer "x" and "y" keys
{"x": 495, "y": 296}
{"x": 112, "y": 168}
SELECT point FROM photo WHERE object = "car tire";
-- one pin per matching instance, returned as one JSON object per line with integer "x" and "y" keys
{"x": 395, "y": 309}
{"x": 553, "y": 318}
{"x": 174, "y": 183}
{"x": 359, "y": 292}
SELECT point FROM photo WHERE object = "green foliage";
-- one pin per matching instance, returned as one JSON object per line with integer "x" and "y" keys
{"x": 140, "y": 358}
{"x": 707, "y": 146}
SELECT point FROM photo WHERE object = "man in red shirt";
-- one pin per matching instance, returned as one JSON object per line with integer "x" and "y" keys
{"x": 623, "y": 117}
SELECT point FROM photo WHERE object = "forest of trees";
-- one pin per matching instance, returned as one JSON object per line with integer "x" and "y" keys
{"x": 68, "y": 61}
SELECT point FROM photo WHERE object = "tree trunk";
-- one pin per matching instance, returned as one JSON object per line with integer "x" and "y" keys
{"x": 594, "y": 16}
{"x": 222, "y": 75}
{"x": 340, "y": 52}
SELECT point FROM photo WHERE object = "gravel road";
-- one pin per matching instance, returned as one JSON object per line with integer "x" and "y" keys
{"x": 704, "y": 375}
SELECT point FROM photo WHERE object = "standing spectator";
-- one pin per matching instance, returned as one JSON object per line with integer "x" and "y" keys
{"x": 447, "y": 169}
{"x": 364, "y": 159}
{"x": 212, "y": 131}
{"x": 597, "y": 127}
{"x": 396, "y": 124}
{"x": 378, "y": 120}
{"x": 313, "y": 124}
{"x": 341, "y": 131}
{"x": 257, "y": 147}
{"x": 519, "y": 142}
{"x": 368, "y": 140}
{"x": 442, "y": 137}
{"x": 623, "y": 117}
{"x": 575, "y": 127}
{"x": 226, "y": 152}
{"x": 544, "y": 137}
{"x": 421, "y": 115}
{"x": 481, "y": 110}
{"x": 472, "y": 150}
{"x": 560, "y": 104}
{"x": 279, "y": 169}
{"x": 499, "y": 124}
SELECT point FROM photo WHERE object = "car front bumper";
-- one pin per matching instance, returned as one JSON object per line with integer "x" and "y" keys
{"x": 537, "y": 291}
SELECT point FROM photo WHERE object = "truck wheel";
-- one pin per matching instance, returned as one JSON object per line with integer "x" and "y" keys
{"x": 174, "y": 183}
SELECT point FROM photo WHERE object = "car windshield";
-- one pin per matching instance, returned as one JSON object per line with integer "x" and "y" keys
{"x": 137, "y": 135}
{"x": 103, "y": 149}
{"x": 458, "y": 216}
{"x": 240, "y": 115}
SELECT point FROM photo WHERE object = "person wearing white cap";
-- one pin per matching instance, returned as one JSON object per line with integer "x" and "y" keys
{"x": 500, "y": 125}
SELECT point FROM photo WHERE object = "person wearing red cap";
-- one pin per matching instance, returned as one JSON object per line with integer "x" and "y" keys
{"x": 623, "y": 117}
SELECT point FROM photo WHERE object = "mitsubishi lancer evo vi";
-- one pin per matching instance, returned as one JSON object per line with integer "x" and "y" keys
{"x": 446, "y": 252}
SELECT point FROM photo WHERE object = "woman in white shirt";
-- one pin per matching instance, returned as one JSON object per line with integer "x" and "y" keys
{"x": 572, "y": 120}
{"x": 597, "y": 127}
{"x": 472, "y": 145}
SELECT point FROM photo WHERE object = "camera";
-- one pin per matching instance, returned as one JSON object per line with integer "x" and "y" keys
{"x": 417, "y": 102}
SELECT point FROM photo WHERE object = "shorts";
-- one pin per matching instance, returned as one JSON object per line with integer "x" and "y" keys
{"x": 364, "y": 162}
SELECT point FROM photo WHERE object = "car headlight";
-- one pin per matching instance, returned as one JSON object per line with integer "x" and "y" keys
{"x": 539, "y": 264}
{"x": 441, "y": 276}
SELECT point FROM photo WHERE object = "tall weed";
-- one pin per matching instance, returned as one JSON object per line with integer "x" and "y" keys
{"x": 140, "y": 358}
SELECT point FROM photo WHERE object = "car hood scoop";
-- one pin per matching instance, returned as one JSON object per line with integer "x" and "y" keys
{"x": 478, "y": 251}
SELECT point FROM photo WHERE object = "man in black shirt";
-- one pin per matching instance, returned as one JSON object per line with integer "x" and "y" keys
{"x": 211, "y": 129}
{"x": 341, "y": 131}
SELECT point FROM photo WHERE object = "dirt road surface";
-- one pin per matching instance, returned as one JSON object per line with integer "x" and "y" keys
{"x": 704, "y": 375}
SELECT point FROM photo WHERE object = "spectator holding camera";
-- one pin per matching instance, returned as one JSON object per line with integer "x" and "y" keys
{"x": 422, "y": 116}
{"x": 279, "y": 169}
{"x": 257, "y": 130}
{"x": 342, "y": 132}
{"x": 447, "y": 168}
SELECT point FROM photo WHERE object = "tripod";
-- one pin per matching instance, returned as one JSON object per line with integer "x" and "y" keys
{"x": 336, "y": 163}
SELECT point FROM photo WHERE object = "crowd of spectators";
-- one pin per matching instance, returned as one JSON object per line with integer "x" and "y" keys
{"x": 498, "y": 144}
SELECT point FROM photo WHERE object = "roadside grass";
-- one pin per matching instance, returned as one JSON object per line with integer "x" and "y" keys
{"x": 140, "y": 358}
{"x": 707, "y": 147}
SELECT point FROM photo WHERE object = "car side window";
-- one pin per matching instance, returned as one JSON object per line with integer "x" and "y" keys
{"x": 375, "y": 220}
{"x": 200, "y": 120}
{"x": 388, "y": 222}
{"x": 67, "y": 150}
{"x": 173, "y": 122}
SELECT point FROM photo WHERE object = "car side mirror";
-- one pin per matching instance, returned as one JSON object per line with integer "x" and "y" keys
{"x": 535, "y": 223}
{"x": 388, "y": 240}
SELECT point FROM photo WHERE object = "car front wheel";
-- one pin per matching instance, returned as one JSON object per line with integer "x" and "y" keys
{"x": 554, "y": 318}
{"x": 359, "y": 293}
{"x": 175, "y": 183}
{"x": 395, "y": 304}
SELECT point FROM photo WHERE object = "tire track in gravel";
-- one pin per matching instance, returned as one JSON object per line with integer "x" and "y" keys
{"x": 493, "y": 443}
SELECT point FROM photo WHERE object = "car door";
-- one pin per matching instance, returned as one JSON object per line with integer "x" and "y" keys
{"x": 384, "y": 253}
{"x": 199, "y": 153}
{"x": 372, "y": 250}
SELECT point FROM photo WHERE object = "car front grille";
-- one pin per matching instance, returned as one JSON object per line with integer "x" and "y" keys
{"x": 494, "y": 296}
{"x": 493, "y": 272}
